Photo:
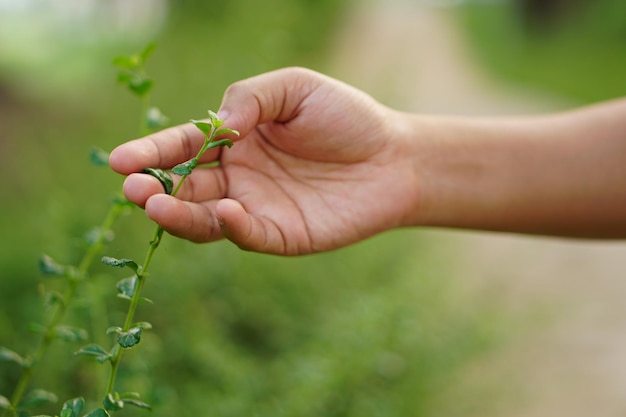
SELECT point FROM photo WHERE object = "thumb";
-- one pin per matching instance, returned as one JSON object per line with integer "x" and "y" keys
{"x": 271, "y": 97}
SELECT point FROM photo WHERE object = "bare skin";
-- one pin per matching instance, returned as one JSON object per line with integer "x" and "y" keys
{"x": 320, "y": 165}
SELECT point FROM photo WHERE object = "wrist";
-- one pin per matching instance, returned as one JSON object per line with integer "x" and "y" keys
{"x": 417, "y": 138}
{"x": 452, "y": 170}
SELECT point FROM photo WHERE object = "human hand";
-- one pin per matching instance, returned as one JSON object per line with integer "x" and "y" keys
{"x": 317, "y": 166}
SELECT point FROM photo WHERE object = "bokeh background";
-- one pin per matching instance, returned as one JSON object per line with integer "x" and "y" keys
{"x": 412, "y": 322}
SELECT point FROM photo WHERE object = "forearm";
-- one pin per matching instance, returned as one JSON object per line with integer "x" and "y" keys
{"x": 563, "y": 174}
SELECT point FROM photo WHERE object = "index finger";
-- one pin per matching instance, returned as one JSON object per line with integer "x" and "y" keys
{"x": 163, "y": 149}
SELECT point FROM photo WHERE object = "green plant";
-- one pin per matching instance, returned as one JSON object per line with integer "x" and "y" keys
{"x": 132, "y": 74}
{"x": 57, "y": 303}
{"x": 129, "y": 334}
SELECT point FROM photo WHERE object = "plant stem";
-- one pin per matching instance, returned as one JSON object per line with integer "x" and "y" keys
{"x": 141, "y": 279}
{"x": 115, "y": 361}
{"x": 59, "y": 314}
{"x": 141, "y": 274}
{"x": 144, "y": 129}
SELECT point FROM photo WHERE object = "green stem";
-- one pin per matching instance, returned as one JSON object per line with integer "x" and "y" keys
{"x": 180, "y": 183}
{"x": 145, "y": 106}
{"x": 141, "y": 278}
{"x": 60, "y": 312}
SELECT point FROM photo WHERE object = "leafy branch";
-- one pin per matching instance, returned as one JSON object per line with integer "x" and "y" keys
{"x": 52, "y": 330}
{"x": 132, "y": 74}
{"x": 129, "y": 334}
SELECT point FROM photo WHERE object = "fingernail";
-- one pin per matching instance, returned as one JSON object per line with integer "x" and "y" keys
{"x": 223, "y": 114}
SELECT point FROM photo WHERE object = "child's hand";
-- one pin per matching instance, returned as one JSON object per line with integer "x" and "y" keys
{"x": 317, "y": 167}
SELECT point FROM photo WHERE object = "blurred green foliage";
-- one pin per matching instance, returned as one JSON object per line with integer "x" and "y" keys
{"x": 574, "y": 48}
{"x": 376, "y": 329}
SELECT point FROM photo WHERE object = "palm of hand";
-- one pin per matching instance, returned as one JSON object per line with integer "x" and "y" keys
{"x": 303, "y": 196}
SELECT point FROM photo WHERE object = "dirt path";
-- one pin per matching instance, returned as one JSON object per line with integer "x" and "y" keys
{"x": 574, "y": 364}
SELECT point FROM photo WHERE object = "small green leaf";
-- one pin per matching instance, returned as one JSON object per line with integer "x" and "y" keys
{"x": 73, "y": 407}
{"x": 100, "y": 354}
{"x": 124, "y": 77}
{"x": 163, "y": 177}
{"x": 186, "y": 167}
{"x": 155, "y": 119}
{"x": 98, "y": 412}
{"x": 129, "y": 63}
{"x": 112, "y": 402}
{"x": 223, "y": 142}
{"x": 107, "y": 260}
{"x": 205, "y": 127}
{"x": 10, "y": 356}
{"x": 121, "y": 201}
{"x": 37, "y": 328}
{"x": 70, "y": 334}
{"x": 115, "y": 350}
{"x": 132, "y": 398}
{"x": 5, "y": 404}
{"x": 140, "y": 86}
{"x": 98, "y": 157}
{"x": 137, "y": 403}
{"x": 49, "y": 266}
{"x": 53, "y": 297}
{"x": 126, "y": 287}
{"x": 147, "y": 52}
{"x": 130, "y": 338}
{"x": 38, "y": 397}
{"x": 114, "y": 329}
{"x": 226, "y": 131}
{"x": 144, "y": 325}
{"x": 215, "y": 119}
{"x": 96, "y": 235}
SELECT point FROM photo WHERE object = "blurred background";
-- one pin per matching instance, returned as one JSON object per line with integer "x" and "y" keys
{"x": 409, "y": 323}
